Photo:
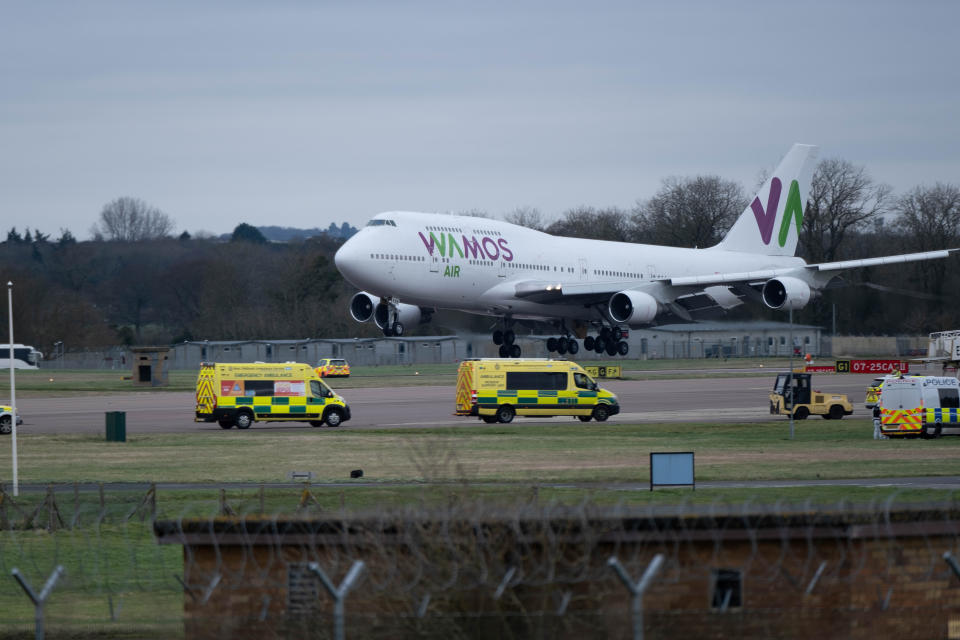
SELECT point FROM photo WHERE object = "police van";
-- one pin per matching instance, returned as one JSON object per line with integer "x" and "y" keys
{"x": 925, "y": 406}
{"x": 496, "y": 390}
{"x": 239, "y": 394}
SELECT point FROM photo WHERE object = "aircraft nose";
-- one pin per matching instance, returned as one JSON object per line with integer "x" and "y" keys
{"x": 347, "y": 258}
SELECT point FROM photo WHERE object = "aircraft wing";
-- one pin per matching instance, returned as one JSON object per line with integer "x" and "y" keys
{"x": 687, "y": 303}
{"x": 755, "y": 277}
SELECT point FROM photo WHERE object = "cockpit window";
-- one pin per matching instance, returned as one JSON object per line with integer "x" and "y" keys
{"x": 380, "y": 222}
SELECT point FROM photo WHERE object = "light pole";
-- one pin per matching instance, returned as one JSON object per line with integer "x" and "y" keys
{"x": 13, "y": 393}
{"x": 793, "y": 400}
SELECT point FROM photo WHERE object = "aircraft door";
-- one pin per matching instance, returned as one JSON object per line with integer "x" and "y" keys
{"x": 434, "y": 264}
{"x": 502, "y": 271}
{"x": 583, "y": 268}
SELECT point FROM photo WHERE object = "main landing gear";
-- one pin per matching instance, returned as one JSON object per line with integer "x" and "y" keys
{"x": 609, "y": 340}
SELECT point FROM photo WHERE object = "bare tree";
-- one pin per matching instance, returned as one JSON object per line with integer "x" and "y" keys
{"x": 689, "y": 212}
{"x": 842, "y": 197}
{"x": 131, "y": 220}
{"x": 928, "y": 219}
{"x": 598, "y": 224}
{"x": 529, "y": 217}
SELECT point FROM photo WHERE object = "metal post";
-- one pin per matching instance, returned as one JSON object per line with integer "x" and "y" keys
{"x": 792, "y": 399}
{"x": 952, "y": 562}
{"x": 13, "y": 393}
{"x": 637, "y": 590}
{"x": 338, "y": 594}
{"x": 38, "y": 600}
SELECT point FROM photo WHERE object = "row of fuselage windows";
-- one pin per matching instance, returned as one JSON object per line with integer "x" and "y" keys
{"x": 513, "y": 265}
{"x": 394, "y": 256}
{"x": 443, "y": 229}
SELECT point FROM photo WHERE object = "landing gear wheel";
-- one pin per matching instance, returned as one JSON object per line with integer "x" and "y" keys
{"x": 600, "y": 413}
{"x": 551, "y": 344}
{"x": 588, "y": 343}
{"x": 225, "y": 423}
{"x": 515, "y": 351}
{"x": 244, "y": 420}
{"x": 498, "y": 337}
{"x": 504, "y": 351}
{"x": 397, "y": 328}
{"x": 388, "y": 331}
{"x": 599, "y": 344}
{"x": 612, "y": 349}
{"x": 334, "y": 418}
{"x": 509, "y": 336}
{"x": 562, "y": 346}
{"x": 584, "y": 418}
{"x": 572, "y": 346}
{"x": 505, "y": 414}
{"x": 801, "y": 413}
{"x": 623, "y": 348}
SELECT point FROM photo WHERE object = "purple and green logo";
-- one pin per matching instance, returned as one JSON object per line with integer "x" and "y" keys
{"x": 767, "y": 218}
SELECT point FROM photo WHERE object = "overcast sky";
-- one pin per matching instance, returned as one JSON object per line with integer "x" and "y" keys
{"x": 305, "y": 113}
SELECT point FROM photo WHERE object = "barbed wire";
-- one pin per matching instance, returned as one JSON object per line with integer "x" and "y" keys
{"x": 467, "y": 567}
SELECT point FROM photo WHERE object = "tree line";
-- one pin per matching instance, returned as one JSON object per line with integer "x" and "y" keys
{"x": 136, "y": 282}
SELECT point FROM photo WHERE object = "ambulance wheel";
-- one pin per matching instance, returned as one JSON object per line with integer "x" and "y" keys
{"x": 505, "y": 414}
{"x": 600, "y": 413}
{"x": 225, "y": 423}
{"x": 836, "y": 412}
{"x": 588, "y": 343}
{"x": 623, "y": 348}
{"x": 244, "y": 420}
{"x": 498, "y": 337}
{"x": 489, "y": 419}
{"x": 572, "y": 346}
{"x": 801, "y": 413}
{"x": 551, "y": 344}
{"x": 584, "y": 418}
{"x": 6, "y": 425}
{"x": 515, "y": 350}
{"x": 334, "y": 417}
{"x": 504, "y": 351}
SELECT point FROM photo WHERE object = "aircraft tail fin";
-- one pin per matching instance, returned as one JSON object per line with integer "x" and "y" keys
{"x": 770, "y": 225}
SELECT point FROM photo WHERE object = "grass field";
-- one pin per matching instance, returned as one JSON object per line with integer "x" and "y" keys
{"x": 516, "y": 453}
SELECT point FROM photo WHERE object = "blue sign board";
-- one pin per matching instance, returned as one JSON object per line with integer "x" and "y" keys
{"x": 672, "y": 469}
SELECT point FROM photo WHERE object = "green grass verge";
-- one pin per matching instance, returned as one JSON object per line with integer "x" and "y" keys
{"x": 560, "y": 452}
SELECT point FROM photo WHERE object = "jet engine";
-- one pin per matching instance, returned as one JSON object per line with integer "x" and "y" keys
{"x": 786, "y": 293}
{"x": 362, "y": 305}
{"x": 407, "y": 314}
{"x": 633, "y": 307}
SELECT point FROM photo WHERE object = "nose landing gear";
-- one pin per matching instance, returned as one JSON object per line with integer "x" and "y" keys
{"x": 505, "y": 338}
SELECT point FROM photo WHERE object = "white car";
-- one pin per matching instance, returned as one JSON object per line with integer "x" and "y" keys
{"x": 6, "y": 423}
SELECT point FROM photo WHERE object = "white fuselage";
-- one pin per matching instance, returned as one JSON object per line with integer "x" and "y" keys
{"x": 474, "y": 264}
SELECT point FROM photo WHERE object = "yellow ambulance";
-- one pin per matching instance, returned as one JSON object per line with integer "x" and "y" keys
{"x": 498, "y": 389}
{"x": 239, "y": 394}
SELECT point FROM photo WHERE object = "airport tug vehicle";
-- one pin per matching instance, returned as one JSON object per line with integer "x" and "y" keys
{"x": 793, "y": 393}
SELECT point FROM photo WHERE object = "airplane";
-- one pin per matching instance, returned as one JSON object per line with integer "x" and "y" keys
{"x": 408, "y": 264}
